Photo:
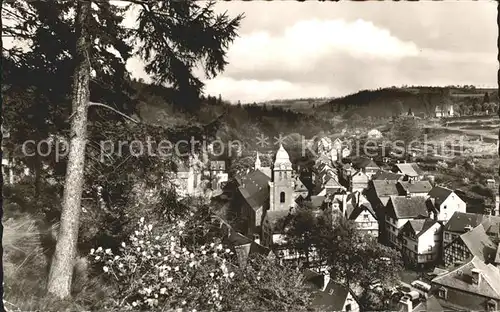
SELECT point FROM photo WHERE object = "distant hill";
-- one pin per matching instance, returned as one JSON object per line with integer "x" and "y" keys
{"x": 393, "y": 101}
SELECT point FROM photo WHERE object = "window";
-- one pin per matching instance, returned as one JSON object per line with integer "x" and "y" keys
{"x": 348, "y": 307}
{"x": 442, "y": 293}
{"x": 282, "y": 197}
{"x": 446, "y": 236}
{"x": 491, "y": 305}
{"x": 429, "y": 257}
{"x": 430, "y": 248}
{"x": 365, "y": 217}
{"x": 444, "y": 207}
{"x": 415, "y": 247}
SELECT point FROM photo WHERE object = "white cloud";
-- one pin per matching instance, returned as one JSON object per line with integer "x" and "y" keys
{"x": 305, "y": 43}
{"x": 255, "y": 90}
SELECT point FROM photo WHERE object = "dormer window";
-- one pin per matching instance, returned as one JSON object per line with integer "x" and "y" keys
{"x": 491, "y": 305}
{"x": 443, "y": 293}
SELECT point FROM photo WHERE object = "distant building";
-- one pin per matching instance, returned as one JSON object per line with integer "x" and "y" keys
{"x": 411, "y": 171}
{"x": 414, "y": 188}
{"x": 444, "y": 111}
{"x": 366, "y": 165}
{"x": 359, "y": 181}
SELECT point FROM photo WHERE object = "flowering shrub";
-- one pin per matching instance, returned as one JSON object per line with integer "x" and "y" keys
{"x": 154, "y": 270}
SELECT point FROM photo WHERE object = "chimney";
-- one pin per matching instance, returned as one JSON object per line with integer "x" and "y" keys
{"x": 326, "y": 280}
{"x": 344, "y": 204}
{"x": 432, "y": 179}
{"x": 476, "y": 276}
{"x": 406, "y": 303}
{"x": 468, "y": 228}
{"x": 497, "y": 204}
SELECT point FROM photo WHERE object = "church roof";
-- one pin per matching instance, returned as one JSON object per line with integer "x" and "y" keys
{"x": 282, "y": 156}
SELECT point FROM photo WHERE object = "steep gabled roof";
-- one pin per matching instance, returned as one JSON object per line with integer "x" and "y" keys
{"x": 409, "y": 207}
{"x": 329, "y": 298}
{"x": 385, "y": 188}
{"x": 363, "y": 163}
{"x": 479, "y": 243}
{"x": 415, "y": 186}
{"x": 254, "y": 188}
{"x": 440, "y": 193}
{"x": 387, "y": 175}
{"x": 420, "y": 226}
{"x": 460, "y": 278}
{"x": 459, "y": 221}
{"x": 353, "y": 213}
{"x": 409, "y": 169}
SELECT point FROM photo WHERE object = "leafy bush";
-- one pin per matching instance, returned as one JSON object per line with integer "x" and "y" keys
{"x": 155, "y": 269}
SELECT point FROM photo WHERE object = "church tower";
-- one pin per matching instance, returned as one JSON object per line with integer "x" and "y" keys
{"x": 281, "y": 187}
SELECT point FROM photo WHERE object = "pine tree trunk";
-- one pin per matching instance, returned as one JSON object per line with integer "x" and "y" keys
{"x": 61, "y": 270}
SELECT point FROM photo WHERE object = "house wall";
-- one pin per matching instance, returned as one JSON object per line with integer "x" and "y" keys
{"x": 350, "y": 304}
{"x": 448, "y": 237}
{"x": 367, "y": 223}
{"x": 425, "y": 248}
{"x": 454, "y": 252}
{"x": 392, "y": 229}
{"x": 449, "y": 206}
{"x": 359, "y": 182}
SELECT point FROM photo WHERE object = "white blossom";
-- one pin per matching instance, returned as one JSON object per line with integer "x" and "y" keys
{"x": 99, "y": 249}
{"x": 142, "y": 219}
{"x": 150, "y": 227}
{"x": 123, "y": 244}
{"x": 92, "y": 251}
{"x": 169, "y": 279}
{"x": 97, "y": 257}
{"x": 163, "y": 290}
{"x": 105, "y": 269}
{"x": 108, "y": 251}
{"x": 231, "y": 275}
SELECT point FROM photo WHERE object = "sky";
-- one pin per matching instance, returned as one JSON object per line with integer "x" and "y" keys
{"x": 288, "y": 49}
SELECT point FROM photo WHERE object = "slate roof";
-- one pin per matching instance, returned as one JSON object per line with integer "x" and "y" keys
{"x": 479, "y": 243}
{"x": 332, "y": 298}
{"x": 385, "y": 188}
{"x": 409, "y": 207}
{"x": 430, "y": 305}
{"x": 409, "y": 169}
{"x": 440, "y": 193}
{"x": 415, "y": 186}
{"x": 460, "y": 278}
{"x": 243, "y": 252}
{"x": 354, "y": 212}
{"x": 300, "y": 186}
{"x": 363, "y": 163}
{"x": 254, "y": 188}
{"x": 420, "y": 226}
{"x": 460, "y": 220}
{"x": 387, "y": 175}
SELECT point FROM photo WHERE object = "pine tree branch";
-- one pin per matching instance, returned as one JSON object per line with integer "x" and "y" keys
{"x": 113, "y": 109}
